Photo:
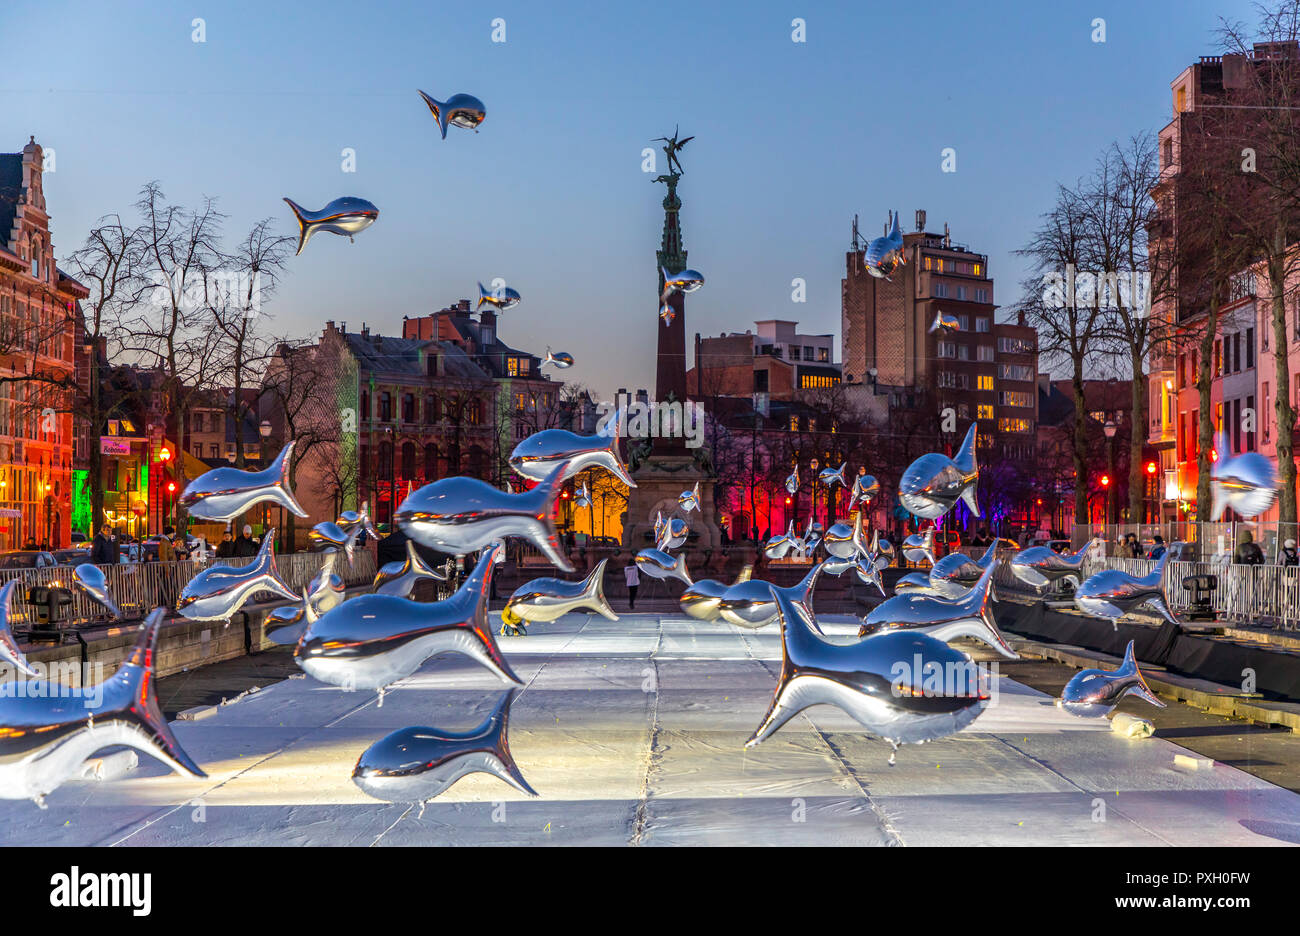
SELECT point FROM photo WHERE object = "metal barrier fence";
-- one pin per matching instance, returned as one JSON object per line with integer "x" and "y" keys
{"x": 139, "y": 587}
{"x": 1256, "y": 594}
{"x": 1210, "y": 539}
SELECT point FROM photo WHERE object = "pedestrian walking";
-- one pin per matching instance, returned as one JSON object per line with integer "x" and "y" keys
{"x": 633, "y": 577}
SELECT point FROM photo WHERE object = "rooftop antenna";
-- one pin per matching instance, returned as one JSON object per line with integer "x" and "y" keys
{"x": 856, "y": 237}
{"x": 920, "y": 219}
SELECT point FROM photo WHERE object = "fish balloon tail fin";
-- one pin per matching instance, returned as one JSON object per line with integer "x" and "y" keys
{"x": 139, "y": 671}
{"x": 474, "y": 592}
{"x": 282, "y": 464}
{"x": 299, "y": 215}
{"x": 439, "y": 111}
{"x": 1140, "y": 687}
{"x": 594, "y": 591}
{"x": 965, "y": 459}
{"x": 501, "y": 742}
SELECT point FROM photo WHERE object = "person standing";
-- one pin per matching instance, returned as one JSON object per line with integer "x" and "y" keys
{"x": 1289, "y": 556}
{"x": 102, "y": 551}
{"x": 633, "y": 578}
{"x": 245, "y": 546}
{"x": 226, "y": 548}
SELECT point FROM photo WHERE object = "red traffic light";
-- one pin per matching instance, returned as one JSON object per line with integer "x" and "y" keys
{"x": 1214, "y": 455}
{"x": 1151, "y": 467}
{"x": 164, "y": 454}
{"x": 1105, "y": 480}
{"x": 787, "y": 501}
{"x": 171, "y": 487}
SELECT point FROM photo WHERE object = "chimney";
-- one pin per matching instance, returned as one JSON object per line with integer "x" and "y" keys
{"x": 947, "y": 237}
{"x": 365, "y": 330}
{"x": 1020, "y": 318}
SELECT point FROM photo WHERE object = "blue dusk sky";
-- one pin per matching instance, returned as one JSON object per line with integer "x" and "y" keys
{"x": 792, "y": 139}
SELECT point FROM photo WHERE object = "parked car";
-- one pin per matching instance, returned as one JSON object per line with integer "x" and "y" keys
{"x": 27, "y": 559}
{"x": 1056, "y": 545}
{"x": 946, "y": 541}
{"x": 78, "y": 537}
{"x": 74, "y": 555}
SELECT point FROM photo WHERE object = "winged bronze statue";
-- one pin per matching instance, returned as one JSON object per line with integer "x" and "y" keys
{"x": 672, "y": 146}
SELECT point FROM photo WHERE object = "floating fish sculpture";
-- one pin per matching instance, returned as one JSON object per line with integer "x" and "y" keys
{"x": 326, "y": 588}
{"x": 915, "y": 583}
{"x": 561, "y": 359}
{"x": 222, "y": 494}
{"x": 868, "y": 568}
{"x": 690, "y": 500}
{"x": 583, "y": 497}
{"x": 461, "y": 515}
{"x": 932, "y": 485}
{"x": 47, "y": 731}
{"x": 399, "y": 578}
{"x": 1247, "y": 482}
{"x": 351, "y": 520}
{"x": 1040, "y": 565}
{"x": 220, "y": 590}
{"x": 9, "y": 650}
{"x": 812, "y": 535}
{"x": 944, "y": 323}
{"x": 829, "y": 476}
{"x": 919, "y": 547}
{"x": 701, "y": 600}
{"x": 884, "y": 254}
{"x": 781, "y": 544}
{"x": 943, "y": 619}
{"x": 414, "y": 765}
{"x": 687, "y": 281}
{"x": 1112, "y": 594}
{"x": 952, "y": 575}
{"x": 90, "y": 579}
{"x": 1092, "y": 693}
{"x": 667, "y": 314}
{"x": 792, "y": 482}
{"x": 887, "y": 684}
{"x": 329, "y": 536}
{"x": 347, "y": 216}
{"x": 536, "y": 456}
{"x": 672, "y": 534}
{"x": 545, "y": 599}
{"x": 865, "y": 489}
{"x": 502, "y": 298}
{"x": 750, "y": 604}
{"x": 373, "y": 641}
{"x": 658, "y": 564}
{"x": 841, "y": 540}
{"x": 286, "y": 624}
{"x": 459, "y": 110}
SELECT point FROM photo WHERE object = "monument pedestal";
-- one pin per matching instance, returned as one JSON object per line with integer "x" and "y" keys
{"x": 660, "y": 481}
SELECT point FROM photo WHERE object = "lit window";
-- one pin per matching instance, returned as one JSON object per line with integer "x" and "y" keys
{"x": 984, "y": 411}
{"x": 984, "y": 382}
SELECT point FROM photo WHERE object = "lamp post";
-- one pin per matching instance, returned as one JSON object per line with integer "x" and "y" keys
{"x": 264, "y": 430}
{"x": 812, "y": 472}
{"x": 1110, "y": 428}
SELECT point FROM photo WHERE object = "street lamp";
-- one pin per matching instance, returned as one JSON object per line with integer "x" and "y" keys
{"x": 264, "y": 430}
{"x": 1110, "y": 428}
{"x": 813, "y": 465}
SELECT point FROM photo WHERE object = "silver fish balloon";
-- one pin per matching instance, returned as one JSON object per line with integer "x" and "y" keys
{"x": 350, "y": 521}
{"x": 461, "y": 515}
{"x": 667, "y": 314}
{"x": 399, "y": 578}
{"x": 885, "y": 683}
{"x": 373, "y": 641}
{"x": 658, "y": 564}
{"x": 1247, "y": 482}
{"x": 943, "y": 323}
{"x": 690, "y": 500}
{"x": 90, "y": 579}
{"x": 10, "y": 652}
{"x": 1112, "y": 594}
{"x": 561, "y": 359}
{"x": 459, "y": 110}
{"x": 1041, "y": 565}
{"x": 545, "y": 599}
{"x": 673, "y": 534}
{"x": 932, "y": 485}
{"x": 329, "y": 536}
{"x": 222, "y": 494}
{"x": 751, "y": 604}
{"x": 1093, "y": 693}
{"x": 536, "y": 456}
{"x": 915, "y": 583}
{"x": 501, "y": 298}
{"x": 884, "y": 254}
{"x": 943, "y": 619}
{"x": 687, "y": 281}
{"x": 865, "y": 489}
{"x": 47, "y": 733}
{"x": 780, "y": 545}
{"x": 347, "y": 216}
{"x": 954, "y": 572}
{"x": 792, "y": 481}
{"x": 829, "y": 476}
{"x": 220, "y": 590}
{"x": 868, "y": 569}
{"x": 413, "y": 765}
{"x": 701, "y": 600}
{"x": 841, "y": 540}
{"x": 583, "y": 497}
{"x": 919, "y": 547}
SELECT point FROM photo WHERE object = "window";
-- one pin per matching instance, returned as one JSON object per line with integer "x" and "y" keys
{"x": 1250, "y": 348}
{"x": 941, "y": 290}
{"x": 512, "y": 366}
{"x": 408, "y": 410}
{"x": 1015, "y": 398}
{"x": 981, "y": 324}
{"x": 1181, "y": 369}
{"x": 981, "y": 294}
{"x": 760, "y": 381}
{"x": 1265, "y": 417}
{"x": 984, "y": 411}
{"x": 1013, "y": 425}
{"x": 794, "y": 423}
{"x": 807, "y": 352}
{"x": 408, "y": 459}
{"x": 824, "y": 355}
{"x": 198, "y": 449}
{"x": 964, "y": 321}
{"x": 985, "y": 353}
{"x": 947, "y": 379}
{"x": 1250, "y": 436}
{"x": 430, "y": 409}
{"x": 214, "y": 450}
{"x": 1015, "y": 345}
{"x": 984, "y": 382}
{"x": 1015, "y": 372}
{"x": 521, "y": 402}
{"x": 812, "y": 382}
{"x": 385, "y": 407}
{"x": 365, "y": 404}
{"x": 961, "y": 293}
{"x": 198, "y": 422}
{"x": 794, "y": 353}
{"x": 947, "y": 349}
{"x": 1236, "y": 353}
